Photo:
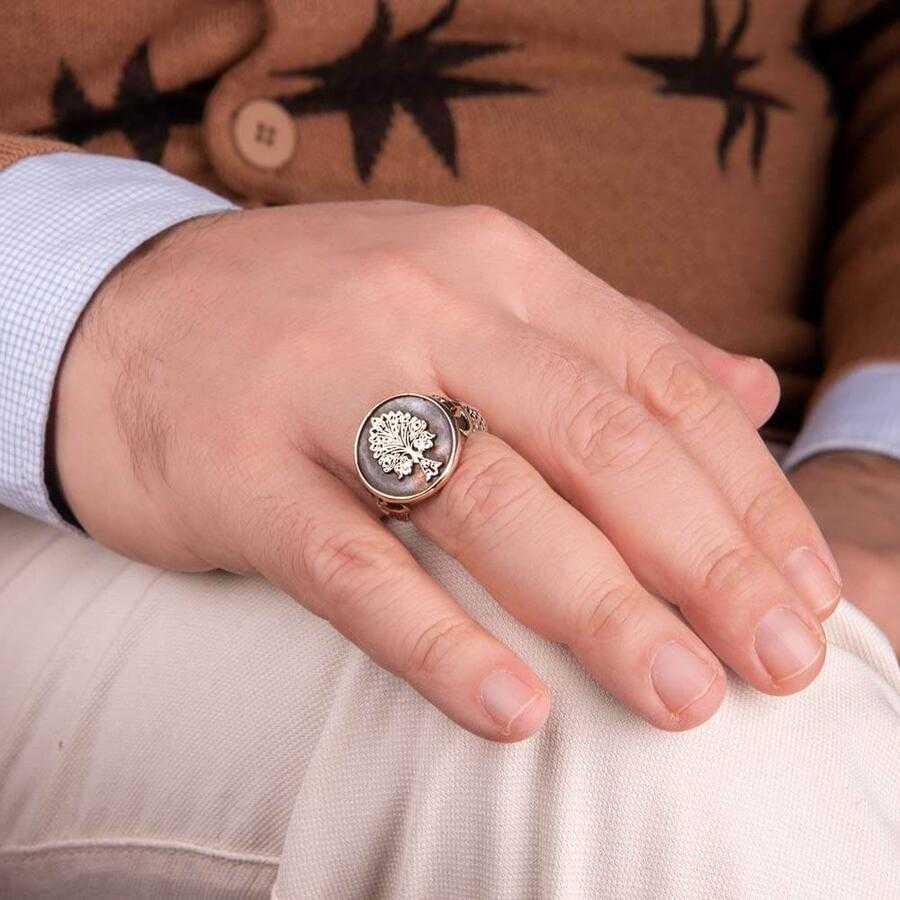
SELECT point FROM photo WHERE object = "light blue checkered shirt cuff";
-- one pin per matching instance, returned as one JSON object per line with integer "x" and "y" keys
{"x": 66, "y": 221}
{"x": 860, "y": 411}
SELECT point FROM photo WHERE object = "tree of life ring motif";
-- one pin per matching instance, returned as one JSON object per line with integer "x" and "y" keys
{"x": 398, "y": 440}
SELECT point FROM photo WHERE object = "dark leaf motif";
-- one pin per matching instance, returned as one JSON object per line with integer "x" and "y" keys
{"x": 714, "y": 72}
{"x": 142, "y": 112}
{"x": 72, "y": 109}
{"x": 436, "y": 122}
{"x": 382, "y": 72}
{"x": 370, "y": 125}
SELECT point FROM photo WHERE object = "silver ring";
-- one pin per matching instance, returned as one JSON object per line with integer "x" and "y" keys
{"x": 409, "y": 445}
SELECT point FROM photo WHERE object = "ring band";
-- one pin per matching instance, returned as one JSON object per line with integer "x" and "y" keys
{"x": 408, "y": 446}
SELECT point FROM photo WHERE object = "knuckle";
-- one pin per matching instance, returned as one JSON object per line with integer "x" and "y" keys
{"x": 729, "y": 570}
{"x": 774, "y": 510}
{"x": 345, "y": 568}
{"x": 489, "y": 491}
{"x": 432, "y": 649}
{"x": 394, "y": 205}
{"x": 606, "y": 430}
{"x": 674, "y": 388}
{"x": 607, "y": 608}
{"x": 488, "y": 220}
{"x": 770, "y": 507}
{"x": 399, "y": 272}
{"x": 488, "y": 224}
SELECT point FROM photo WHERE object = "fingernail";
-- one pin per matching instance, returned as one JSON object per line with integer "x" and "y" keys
{"x": 784, "y": 645}
{"x": 679, "y": 676}
{"x": 812, "y": 578}
{"x": 506, "y": 698}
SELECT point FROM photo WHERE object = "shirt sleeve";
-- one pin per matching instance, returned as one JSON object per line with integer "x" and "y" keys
{"x": 66, "y": 220}
{"x": 859, "y": 411}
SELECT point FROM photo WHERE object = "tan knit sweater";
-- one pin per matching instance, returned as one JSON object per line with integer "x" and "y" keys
{"x": 678, "y": 148}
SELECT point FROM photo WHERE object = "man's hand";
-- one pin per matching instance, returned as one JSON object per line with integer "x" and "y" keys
{"x": 206, "y": 414}
{"x": 855, "y": 498}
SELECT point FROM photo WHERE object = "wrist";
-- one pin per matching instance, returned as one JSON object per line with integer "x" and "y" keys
{"x": 103, "y": 416}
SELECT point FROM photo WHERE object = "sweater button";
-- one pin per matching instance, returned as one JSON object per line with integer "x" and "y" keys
{"x": 265, "y": 134}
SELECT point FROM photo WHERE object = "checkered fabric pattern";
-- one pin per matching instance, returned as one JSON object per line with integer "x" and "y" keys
{"x": 66, "y": 220}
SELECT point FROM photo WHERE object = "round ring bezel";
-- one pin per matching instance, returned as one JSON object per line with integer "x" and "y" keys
{"x": 446, "y": 470}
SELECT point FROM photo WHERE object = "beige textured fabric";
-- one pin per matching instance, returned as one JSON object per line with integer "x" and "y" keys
{"x": 172, "y": 736}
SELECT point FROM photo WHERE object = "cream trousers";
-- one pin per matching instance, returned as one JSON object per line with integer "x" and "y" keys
{"x": 168, "y": 736}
